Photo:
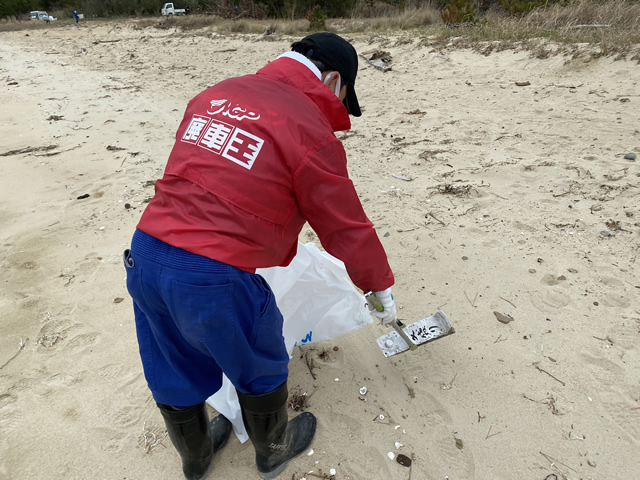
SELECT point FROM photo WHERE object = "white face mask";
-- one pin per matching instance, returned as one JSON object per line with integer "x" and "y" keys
{"x": 327, "y": 79}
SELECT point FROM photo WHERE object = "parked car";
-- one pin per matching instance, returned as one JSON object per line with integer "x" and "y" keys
{"x": 38, "y": 15}
{"x": 169, "y": 9}
{"x": 41, "y": 15}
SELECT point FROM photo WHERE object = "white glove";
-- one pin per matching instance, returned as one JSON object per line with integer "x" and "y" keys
{"x": 389, "y": 313}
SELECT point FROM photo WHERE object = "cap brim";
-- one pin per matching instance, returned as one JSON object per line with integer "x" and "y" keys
{"x": 351, "y": 101}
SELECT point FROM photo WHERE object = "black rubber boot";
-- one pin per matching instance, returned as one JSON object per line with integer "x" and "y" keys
{"x": 195, "y": 438}
{"x": 275, "y": 439}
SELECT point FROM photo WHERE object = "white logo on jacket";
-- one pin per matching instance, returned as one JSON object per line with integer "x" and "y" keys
{"x": 236, "y": 112}
{"x": 223, "y": 139}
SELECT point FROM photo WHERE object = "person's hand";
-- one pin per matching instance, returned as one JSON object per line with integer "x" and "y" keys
{"x": 389, "y": 313}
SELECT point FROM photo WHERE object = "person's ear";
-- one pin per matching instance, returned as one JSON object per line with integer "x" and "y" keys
{"x": 329, "y": 78}
{"x": 333, "y": 82}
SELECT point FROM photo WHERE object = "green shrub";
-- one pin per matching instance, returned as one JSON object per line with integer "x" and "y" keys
{"x": 459, "y": 11}
{"x": 317, "y": 19}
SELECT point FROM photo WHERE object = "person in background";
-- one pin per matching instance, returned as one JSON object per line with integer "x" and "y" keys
{"x": 76, "y": 16}
{"x": 255, "y": 158}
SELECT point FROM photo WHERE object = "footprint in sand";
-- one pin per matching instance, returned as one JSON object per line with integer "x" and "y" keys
{"x": 624, "y": 333}
{"x": 123, "y": 375}
{"x": 125, "y": 380}
{"x": 10, "y": 414}
{"x": 55, "y": 334}
{"x": 65, "y": 379}
{"x": 349, "y": 425}
{"x": 117, "y": 440}
{"x": 549, "y": 301}
{"x": 520, "y": 191}
{"x": 604, "y": 371}
{"x": 524, "y": 227}
{"x": 125, "y": 416}
{"x": 614, "y": 300}
{"x": 373, "y": 463}
{"x": 443, "y": 456}
{"x": 84, "y": 340}
{"x": 623, "y": 411}
{"x": 614, "y": 401}
{"x": 492, "y": 244}
{"x": 615, "y": 295}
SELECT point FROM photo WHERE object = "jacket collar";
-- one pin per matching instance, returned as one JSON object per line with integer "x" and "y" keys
{"x": 297, "y": 71}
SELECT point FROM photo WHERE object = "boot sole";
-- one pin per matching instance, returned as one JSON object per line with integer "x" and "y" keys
{"x": 277, "y": 471}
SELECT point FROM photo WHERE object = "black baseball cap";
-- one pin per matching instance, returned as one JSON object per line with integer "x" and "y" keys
{"x": 337, "y": 54}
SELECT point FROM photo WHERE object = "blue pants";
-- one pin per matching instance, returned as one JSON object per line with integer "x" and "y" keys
{"x": 197, "y": 318}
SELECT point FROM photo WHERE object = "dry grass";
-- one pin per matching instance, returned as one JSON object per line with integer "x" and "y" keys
{"x": 210, "y": 24}
{"x": 605, "y": 28}
{"x": 188, "y": 22}
{"x": 14, "y": 25}
{"x": 408, "y": 19}
{"x": 581, "y": 27}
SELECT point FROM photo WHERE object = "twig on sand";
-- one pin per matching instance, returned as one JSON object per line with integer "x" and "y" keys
{"x": 23, "y": 343}
{"x": 309, "y": 364}
{"x": 473, "y": 304}
{"x": 555, "y": 461}
{"x": 499, "y": 196}
{"x": 28, "y": 150}
{"x": 568, "y": 86}
{"x": 401, "y": 177}
{"x": 555, "y": 378}
{"x": 430, "y": 214}
{"x": 489, "y": 434}
{"x": 502, "y": 298}
{"x": 323, "y": 475}
{"x": 51, "y": 154}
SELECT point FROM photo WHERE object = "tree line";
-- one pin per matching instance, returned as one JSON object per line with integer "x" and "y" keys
{"x": 20, "y": 9}
{"x": 291, "y": 9}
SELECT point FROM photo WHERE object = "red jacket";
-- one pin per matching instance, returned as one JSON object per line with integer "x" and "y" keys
{"x": 255, "y": 157}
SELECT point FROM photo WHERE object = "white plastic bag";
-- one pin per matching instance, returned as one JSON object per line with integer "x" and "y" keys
{"x": 318, "y": 302}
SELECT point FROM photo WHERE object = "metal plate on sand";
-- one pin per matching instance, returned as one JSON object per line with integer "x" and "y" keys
{"x": 422, "y": 331}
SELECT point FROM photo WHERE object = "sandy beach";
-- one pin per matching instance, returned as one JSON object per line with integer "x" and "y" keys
{"x": 499, "y": 183}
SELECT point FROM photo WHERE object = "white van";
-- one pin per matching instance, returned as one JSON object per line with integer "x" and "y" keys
{"x": 168, "y": 9}
{"x": 38, "y": 15}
